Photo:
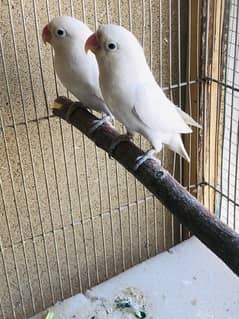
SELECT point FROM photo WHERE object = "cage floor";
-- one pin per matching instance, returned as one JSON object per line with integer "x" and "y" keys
{"x": 187, "y": 282}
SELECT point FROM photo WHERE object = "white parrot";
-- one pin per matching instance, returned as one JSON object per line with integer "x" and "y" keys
{"x": 77, "y": 70}
{"x": 132, "y": 93}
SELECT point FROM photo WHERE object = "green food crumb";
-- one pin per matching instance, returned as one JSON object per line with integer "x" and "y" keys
{"x": 50, "y": 315}
{"x": 140, "y": 314}
{"x": 122, "y": 303}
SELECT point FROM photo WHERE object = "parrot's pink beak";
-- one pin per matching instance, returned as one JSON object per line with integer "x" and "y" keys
{"x": 46, "y": 35}
{"x": 92, "y": 43}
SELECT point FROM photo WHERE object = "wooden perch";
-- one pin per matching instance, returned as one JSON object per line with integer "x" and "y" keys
{"x": 217, "y": 236}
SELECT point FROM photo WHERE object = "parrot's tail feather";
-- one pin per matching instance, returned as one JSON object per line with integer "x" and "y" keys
{"x": 176, "y": 145}
{"x": 188, "y": 119}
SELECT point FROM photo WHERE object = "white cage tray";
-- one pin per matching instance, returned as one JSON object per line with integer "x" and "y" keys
{"x": 188, "y": 282}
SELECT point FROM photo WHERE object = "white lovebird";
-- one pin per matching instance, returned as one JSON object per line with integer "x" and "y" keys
{"x": 132, "y": 93}
{"x": 77, "y": 70}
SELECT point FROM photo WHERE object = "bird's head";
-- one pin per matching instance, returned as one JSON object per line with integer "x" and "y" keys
{"x": 114, "y": 43}
{"x": 63, "y": 31}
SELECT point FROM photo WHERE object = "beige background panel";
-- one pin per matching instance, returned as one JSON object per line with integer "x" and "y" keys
{"x": 70, "y": 216}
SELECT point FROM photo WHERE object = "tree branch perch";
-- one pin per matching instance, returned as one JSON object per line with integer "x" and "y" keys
{"x": 217, "y": 236}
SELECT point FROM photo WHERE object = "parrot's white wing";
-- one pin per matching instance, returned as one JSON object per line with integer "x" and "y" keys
{"x": 155, "y": 110}
{"x": 187, "y": 118}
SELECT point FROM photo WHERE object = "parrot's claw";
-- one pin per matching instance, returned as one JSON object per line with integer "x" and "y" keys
{"x": 71, "y": 109}
{"x": 142, "y": 158}
{"x": 121, "y": 138}
{"x": 98, "y": 123}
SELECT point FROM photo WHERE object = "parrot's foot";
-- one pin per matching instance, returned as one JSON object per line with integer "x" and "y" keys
{"x": 98, "y": 123}
{"x": 148, "y": 155}
{"x": 121, "y": 138}
{"x": 71, "y": 109}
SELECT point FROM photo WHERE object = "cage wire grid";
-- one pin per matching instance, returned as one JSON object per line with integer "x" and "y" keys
{"x": 229, "y": 180}
{"x": 220, "y": 102}
{"x": 70, "y": 217}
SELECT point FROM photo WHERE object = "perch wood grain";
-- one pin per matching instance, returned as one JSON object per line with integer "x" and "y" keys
{"x": 217, "y": 236}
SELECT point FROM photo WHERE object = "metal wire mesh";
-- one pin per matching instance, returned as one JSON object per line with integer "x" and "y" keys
{"x": 229, "y": 207}
{"x": 220, "y": 100}
{"x": 70, "y": 217}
